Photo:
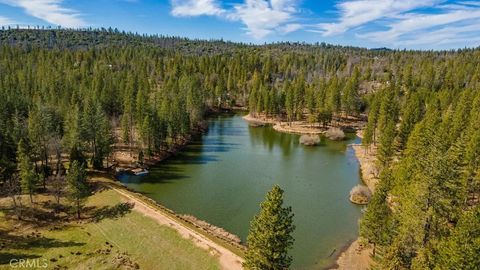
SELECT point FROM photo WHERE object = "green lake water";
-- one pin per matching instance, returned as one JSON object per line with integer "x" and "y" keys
{"x": 223, "y": 175}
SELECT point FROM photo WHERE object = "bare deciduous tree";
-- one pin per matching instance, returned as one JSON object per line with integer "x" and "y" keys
{"x": 58, "y": 186}
{"x": 13, "y": 190}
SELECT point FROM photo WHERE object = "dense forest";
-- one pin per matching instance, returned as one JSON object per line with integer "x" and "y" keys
{"x": 73, "y": 94}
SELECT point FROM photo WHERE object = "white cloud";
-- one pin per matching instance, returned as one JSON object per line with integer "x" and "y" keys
{"x": 396, "y": 23}
{"x": 187, "y": 8}
{"x": 359, "y": 12}
{"x": 291, "y": 27}
{"x": 5, "y": 21}
{"x": 260, "y": 17}
{"x": 263, "y": 18}
{"x": 429, "y": 23}
{"x": 454, "y": 25}
{"x": 426, "y": 26}
{"x": 50, "y": 11}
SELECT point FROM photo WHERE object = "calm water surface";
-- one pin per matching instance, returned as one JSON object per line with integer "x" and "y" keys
{"x": 223, "y": 176}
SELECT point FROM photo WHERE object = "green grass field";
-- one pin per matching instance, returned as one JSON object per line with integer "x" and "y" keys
{"x": 116, "y": 241}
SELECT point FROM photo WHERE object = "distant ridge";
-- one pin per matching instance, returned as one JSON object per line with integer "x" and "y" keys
{"x": 382, "y": 49}
{"x": 64, "y": 38}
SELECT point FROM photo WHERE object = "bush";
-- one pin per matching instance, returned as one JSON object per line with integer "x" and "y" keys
{"x": 310, "y": 140}
{"x": 335, "y": 134}
{"x": 360, "y": 194}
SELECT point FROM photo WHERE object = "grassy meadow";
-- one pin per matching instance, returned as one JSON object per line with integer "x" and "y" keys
{"x": 110, "y": 236}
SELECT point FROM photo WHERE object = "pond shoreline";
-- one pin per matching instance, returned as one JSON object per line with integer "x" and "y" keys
{"x": 178, "y": 148}
{"x": 302, "y": 127}
{"x": 355, "y": 255}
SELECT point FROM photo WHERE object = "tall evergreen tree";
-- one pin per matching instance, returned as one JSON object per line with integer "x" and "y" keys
{"x": 461, "y": 249}
{"x": 270, "y": 235}
{"x": 376, "y": 224}
{"x": 28, "y": 177}
{"x": 369, "y": 135}
{"x": 77, "y": 186}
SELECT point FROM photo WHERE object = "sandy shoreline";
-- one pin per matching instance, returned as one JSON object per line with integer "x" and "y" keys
{"x": 299, "y": 127}
{"x": 367, "y": 165}
{"x": 356, "y": 256}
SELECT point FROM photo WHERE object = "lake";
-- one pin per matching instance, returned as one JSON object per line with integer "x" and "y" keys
{"x": 223, "y": 175}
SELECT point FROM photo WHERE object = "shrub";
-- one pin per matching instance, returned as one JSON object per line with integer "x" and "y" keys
{"x": 360, "y": 194}
{"x": 335, "y": 134}
{"x": 310, "y": 139}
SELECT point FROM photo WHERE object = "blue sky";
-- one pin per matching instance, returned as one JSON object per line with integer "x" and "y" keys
{"x": 412, "y": 24}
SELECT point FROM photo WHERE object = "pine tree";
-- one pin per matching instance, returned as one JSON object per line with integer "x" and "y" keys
{"x": 369, "y": 135}
{"x": 252, "y": 102}
{"x": 146, "y": 134}
{"x": 97, "y": 132}
{"x": 28, "y": 178}
{"x": 270, "y": 235}
{"x": 289, "y": 102}
{"x": 299, "y": 96}
{"x": 72, "y": 139}
{"x": 461, "y": 250}
{"x": 334, "y": 95}
{"x": 376, "y": 223}
{"x": 40, "y": 129}
{"x": 411, "y": 115}
{"x": 77, "y": 186}
{"x": 350, "y": 98}
{"x": 386, "y": 148}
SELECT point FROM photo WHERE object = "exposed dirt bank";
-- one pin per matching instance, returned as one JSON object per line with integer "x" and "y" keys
{"x": 367, "y": 160}
{"x": 355, "y": 257}
{"x": 302, "y": 127}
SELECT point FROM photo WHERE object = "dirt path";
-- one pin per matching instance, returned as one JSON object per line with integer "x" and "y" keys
{"x": 228, "y": 260}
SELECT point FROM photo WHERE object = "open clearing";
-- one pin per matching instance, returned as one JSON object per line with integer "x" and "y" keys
{"x": 118, "y": 239}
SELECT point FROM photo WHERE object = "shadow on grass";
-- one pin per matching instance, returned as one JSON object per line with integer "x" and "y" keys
{"x": 24, "y": 243}
{"x": 112, "y": 212}
{"x": 6, "y": 258}
{"x": 32, "y": 240}
{"x": 41, "y": 214}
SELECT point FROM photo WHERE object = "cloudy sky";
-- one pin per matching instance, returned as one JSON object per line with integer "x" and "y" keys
{"x": 416, "y": 24}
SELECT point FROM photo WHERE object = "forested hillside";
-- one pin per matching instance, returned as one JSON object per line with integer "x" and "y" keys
{"x": 66, "y": 93}
{"x": 425, "y": 210}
